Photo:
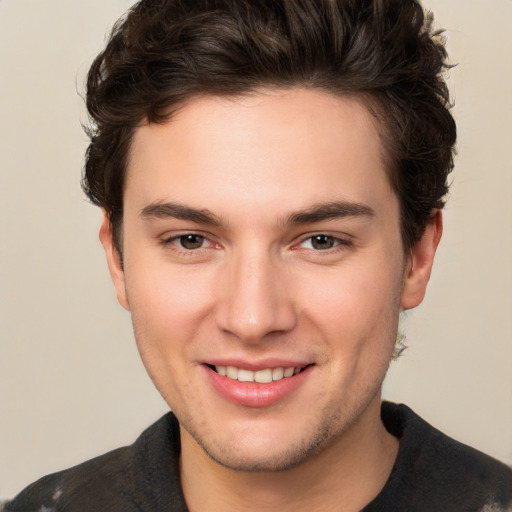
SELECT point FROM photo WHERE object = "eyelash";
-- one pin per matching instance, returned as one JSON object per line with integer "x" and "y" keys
{"x": 338, "y": 243}
{"x": 169, "y": 242}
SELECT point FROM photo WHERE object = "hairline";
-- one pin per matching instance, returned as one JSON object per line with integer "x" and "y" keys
{"x": 367, "y": 99}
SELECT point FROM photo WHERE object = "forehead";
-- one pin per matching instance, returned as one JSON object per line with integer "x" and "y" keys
{"x": 274, "y": 146}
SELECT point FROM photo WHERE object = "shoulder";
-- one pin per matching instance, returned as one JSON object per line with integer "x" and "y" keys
{"x": 435, "y": 472}
{"x": 121, "y": 480}
{"x": 99, "y": 478}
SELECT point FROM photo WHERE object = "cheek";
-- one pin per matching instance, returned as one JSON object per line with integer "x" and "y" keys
{"x": 355, "y": 304}
{"x": 168, "y": 309}
{"x": 169, "y": 296}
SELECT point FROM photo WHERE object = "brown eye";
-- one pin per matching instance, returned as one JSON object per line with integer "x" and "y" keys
{"x": 320, "y": 242}
{"x": 191, "y": 241}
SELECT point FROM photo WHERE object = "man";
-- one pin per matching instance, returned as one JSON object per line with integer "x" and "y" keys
{"x": 272, "y": 177}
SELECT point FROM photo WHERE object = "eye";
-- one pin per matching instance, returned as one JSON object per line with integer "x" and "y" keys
{"x": 191, "y": 241}
{"x": 187, "y": 242}
{"x": 320, "y": 242}
{"x": 323, "y": 242}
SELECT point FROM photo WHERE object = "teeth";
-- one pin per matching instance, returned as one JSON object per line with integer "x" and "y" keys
{"x": 261, "y": 376}
{"x": 277, "y": 373}
{"x": 245, "y": 376}
{"x": 232, "y": 372}
{"x": 288, "y": 372}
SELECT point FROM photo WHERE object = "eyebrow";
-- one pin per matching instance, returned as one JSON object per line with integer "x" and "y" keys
{"x": 316, "y": 213}
{"x": 160, "y": 210}
{"x": 327, "y": 211}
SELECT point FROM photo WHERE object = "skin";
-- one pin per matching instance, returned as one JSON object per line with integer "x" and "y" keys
{"x": 260, "y": 288}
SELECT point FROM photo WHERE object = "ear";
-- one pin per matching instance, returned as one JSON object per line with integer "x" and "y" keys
{"x": 419, "y": 265}
{"x": 115, "y": 264}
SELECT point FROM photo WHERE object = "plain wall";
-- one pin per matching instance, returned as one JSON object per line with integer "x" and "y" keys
{"x": 71, "y": 383}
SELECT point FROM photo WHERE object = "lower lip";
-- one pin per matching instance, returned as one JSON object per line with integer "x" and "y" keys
{"x": 254, "y": 394}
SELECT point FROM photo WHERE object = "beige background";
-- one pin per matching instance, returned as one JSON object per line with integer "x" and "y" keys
{"x": 71, "y": 382}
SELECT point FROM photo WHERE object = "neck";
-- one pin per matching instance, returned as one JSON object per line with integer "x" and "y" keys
{"x": 352, "y": 471}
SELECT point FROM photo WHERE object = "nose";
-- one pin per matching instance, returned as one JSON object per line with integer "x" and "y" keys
{"x": 256, "y": 300}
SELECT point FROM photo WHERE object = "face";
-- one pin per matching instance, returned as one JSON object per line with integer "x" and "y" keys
{"x": 264, "y": 271}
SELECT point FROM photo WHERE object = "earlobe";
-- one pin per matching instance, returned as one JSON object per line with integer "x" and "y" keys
{"x": 420, "y": 262}
{"x": 114, "y": 261}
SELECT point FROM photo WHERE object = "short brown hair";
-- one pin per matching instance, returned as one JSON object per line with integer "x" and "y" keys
{"x": 165, "y": 52}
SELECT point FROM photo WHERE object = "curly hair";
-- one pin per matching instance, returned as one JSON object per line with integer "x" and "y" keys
{"x": 164, "y": 53}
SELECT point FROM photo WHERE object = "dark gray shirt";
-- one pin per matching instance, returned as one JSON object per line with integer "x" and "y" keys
{"x": 432, "y": 473}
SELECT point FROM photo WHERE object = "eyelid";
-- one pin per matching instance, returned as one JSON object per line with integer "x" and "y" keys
{"x": 169, "y": 239}
{"x": 342, "y": 240}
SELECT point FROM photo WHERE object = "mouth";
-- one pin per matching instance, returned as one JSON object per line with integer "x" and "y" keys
{"x": 257, "y": 387}
{"x": 264, "y": 376}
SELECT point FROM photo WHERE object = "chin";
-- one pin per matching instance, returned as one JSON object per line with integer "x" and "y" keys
{"x": 266, "y": 457}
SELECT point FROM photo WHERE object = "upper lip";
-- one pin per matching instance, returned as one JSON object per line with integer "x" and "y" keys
{"x": 255, "y": 366}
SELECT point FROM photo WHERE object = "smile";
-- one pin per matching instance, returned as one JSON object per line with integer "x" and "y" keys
{"x": 264, "y": 376}
{"x": 260, "y": 386}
